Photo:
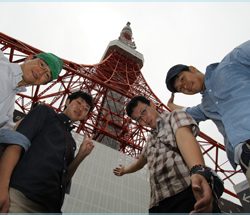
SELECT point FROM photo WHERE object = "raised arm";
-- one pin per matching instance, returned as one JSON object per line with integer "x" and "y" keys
{"x": 133, "y": 167}
{"x": 172, "y": 105}
{"x": 84, "y": 150}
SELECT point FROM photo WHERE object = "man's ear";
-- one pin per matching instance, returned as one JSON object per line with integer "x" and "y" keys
{"x": 193, "y": 69}
{"x": 152, "y": 104}
{"x": 30, "y": 57}
{"x": 66, "y": 103}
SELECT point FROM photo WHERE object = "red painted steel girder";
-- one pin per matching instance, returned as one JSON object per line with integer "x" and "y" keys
{"x": 112, "y": 83}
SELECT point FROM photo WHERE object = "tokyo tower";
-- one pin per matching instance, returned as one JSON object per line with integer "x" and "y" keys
{"x": 112, "y": 82}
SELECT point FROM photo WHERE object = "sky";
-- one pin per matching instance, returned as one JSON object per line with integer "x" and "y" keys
{"x": 166, "y": 33}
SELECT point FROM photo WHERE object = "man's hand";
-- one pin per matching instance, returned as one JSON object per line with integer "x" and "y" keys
{"x": 119, "y": 171}
{"x": 86, "y": 147}
{"x": 172, "y": 105}
{"x": 171, "y": 100}
{"x": 202, "y": 193}
{"x": 4, "y": 201}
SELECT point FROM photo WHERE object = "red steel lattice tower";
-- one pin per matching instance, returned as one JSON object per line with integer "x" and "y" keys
{"x": 112, "y": 82}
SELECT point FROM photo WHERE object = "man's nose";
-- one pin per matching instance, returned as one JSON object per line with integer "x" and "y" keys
{"x": 81, "y": 108}
{"x": 143, "y": 119}
{"x": 184, "y": 86}
{"x": 40, "y": 73}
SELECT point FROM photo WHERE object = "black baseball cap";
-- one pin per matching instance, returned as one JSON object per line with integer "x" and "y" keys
{"x": 172, "y": 74}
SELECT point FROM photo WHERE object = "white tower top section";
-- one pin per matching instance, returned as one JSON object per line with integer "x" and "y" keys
{"x": 126, "y": 45}
{"x": 126, "y": 36}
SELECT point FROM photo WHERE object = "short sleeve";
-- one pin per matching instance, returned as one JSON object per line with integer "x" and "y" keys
{"x": 180, "y": 118}
{"x": 11, "y": 137}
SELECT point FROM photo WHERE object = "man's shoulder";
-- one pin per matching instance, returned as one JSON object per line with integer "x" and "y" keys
{"x": 45, "y": 108}
{"x": 210, "y": 68}
{"x": 2, "y": 57}
{"x": 181, "y": 115}
{"x": 177, "y": 112}
{"x": 174, "y": 115}
{"x": 11, "y": 74}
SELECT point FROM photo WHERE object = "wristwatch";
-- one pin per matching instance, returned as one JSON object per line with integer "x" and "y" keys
{"x": 216, "y": 184}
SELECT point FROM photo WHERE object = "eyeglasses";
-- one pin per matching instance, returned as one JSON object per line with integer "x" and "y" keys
{"x": 45, "y": 68}
{"x": 43, "y": 65}
{"x": 142, "y": 114}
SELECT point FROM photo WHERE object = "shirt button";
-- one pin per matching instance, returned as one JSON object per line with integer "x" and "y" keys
{"x": 64, "y": 171}
{"x": 210, "y": 90}
{"x": 64, "y": 158}
{"x": 61, "y": 186}
{"x": 217, "y": 102}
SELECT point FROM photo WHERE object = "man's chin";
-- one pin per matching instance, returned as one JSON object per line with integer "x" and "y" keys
{"x": 75, "y": 119}
{"x": 30, "y": 82}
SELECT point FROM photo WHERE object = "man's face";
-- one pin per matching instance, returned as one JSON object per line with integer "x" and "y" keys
{"x": 36, "y": 72}
{"x": 77, "y": 109}
{"x": 189, "y": 82}
{"x": 145, "y": 115}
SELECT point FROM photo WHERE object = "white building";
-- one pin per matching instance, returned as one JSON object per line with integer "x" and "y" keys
{"x": 96, "y": 189}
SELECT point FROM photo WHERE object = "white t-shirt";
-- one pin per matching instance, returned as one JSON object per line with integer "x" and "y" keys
{"x": 10, "y": 76}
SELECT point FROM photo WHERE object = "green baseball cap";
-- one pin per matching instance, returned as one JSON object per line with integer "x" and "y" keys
{"x": 55, "y": 63}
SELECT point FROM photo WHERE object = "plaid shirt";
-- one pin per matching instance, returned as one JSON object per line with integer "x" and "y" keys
{"x": 169, "y": 173}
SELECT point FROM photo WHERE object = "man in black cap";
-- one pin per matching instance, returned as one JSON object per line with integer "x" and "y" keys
{"x": 225, "y": 94}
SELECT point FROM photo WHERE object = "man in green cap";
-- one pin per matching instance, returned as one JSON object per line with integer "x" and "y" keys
{"x": 36, "y": 70}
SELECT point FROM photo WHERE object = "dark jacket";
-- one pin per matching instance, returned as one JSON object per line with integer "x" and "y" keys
{"x": 41, "y": 172}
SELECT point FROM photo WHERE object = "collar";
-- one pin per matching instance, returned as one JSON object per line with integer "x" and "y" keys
{"x": 159, "y": 122}
{"x": 211, "y": 67}
{"x": 204, "y": 90}
{"x": 66, "y": 121}
{"x": 17, "y": 77}
{"x": 209, "y": 72}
